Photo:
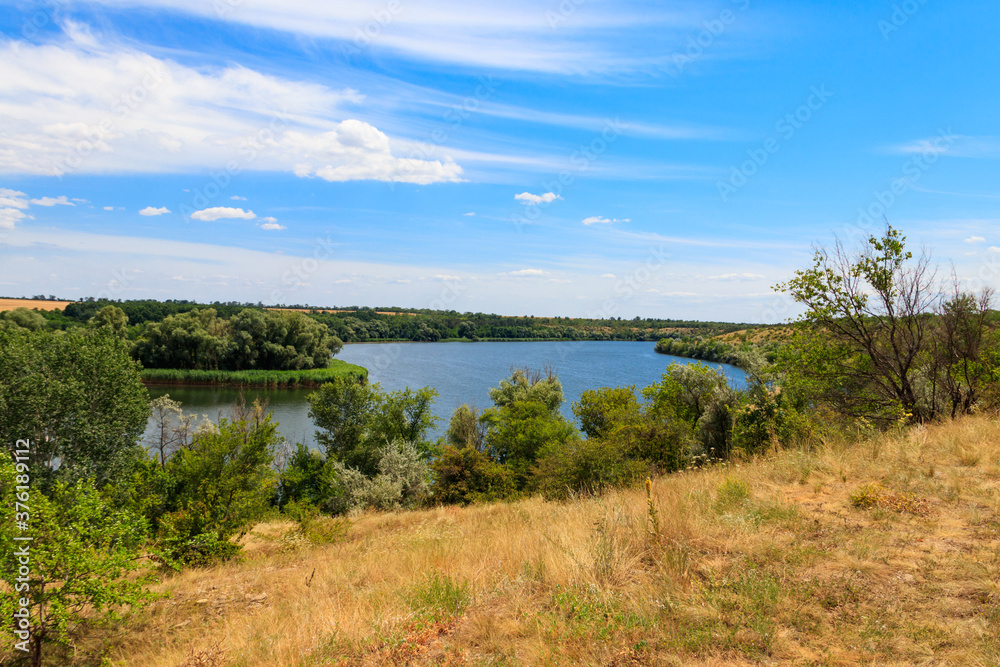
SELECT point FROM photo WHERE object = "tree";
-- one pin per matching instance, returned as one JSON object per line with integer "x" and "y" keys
{"x": 22, "y": 318}
{"x": 357, "y": 420}
{"x": 525, "y": 418}
{"x": 78, "y": 397}
{"x": 223, "y": 483}
{"x": 172, "y": 429}
{"x": 112, "y": 318}
{"x": 82, "y": 551}
{"x": 870, "y": 344}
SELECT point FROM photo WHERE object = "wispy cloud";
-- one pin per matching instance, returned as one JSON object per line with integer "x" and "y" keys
{"x": 598, "y": 220}
{"x": 61, "y": 200}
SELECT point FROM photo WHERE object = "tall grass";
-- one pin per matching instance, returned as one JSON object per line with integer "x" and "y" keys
{"x": 763, "y": 561}
{"x": 255, "y": 378}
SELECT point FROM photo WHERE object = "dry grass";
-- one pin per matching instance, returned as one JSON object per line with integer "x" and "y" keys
{"x": 31, "y": 304}
{"x": 767, "y": 561}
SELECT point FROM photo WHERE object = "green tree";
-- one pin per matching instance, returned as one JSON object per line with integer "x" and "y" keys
{"x": 113, "y": 318}
{"x": 879, "y": 339}
{"x": 78, "y": 397}
{"x": 223, "y": 482}
{"x": 77, "y": 570}
{"x": 357, "y": 421}
{"x": 22, "y": 318}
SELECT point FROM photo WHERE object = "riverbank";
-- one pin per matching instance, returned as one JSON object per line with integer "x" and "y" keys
{"x": 252, "y": 378}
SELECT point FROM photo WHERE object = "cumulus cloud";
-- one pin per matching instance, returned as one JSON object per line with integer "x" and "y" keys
{"x": 529, "y": 272}
{"x": 84, "y": 108}
{"x": 598, "y": 220}
{"x": 975, "y": 239}
{"x": 238, "y": 198}
{"x": 222, "y": 212}
{"x": 447, "y": 278}
{"x": 608, "y": 275}
{"x": 109, "y": 208}
{"x": 149, "y": 210}
{"x": 61, "y": 200}
{"x": 528, "y": 198}
{"x": 469, "y": 215}
{"x": 271, "y": 223}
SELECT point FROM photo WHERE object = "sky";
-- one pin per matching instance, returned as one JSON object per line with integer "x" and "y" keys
{"x": 586, "y": 158}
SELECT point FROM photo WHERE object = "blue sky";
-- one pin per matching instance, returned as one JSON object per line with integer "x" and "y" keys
{"x": 573, "y": 157}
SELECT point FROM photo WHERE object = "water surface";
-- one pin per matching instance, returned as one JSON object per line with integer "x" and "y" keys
{"x": 461, "y": 373}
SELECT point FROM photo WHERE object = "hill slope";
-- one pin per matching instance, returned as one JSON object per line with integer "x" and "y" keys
{"x": 885, "y": 552}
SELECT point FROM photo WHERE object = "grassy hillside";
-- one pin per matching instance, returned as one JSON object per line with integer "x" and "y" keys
{"x": 881, "y": 552}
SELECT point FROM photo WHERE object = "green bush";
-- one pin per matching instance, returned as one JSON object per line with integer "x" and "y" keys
{"x": 584, "y": 467}
{"x": 467, "y": 475}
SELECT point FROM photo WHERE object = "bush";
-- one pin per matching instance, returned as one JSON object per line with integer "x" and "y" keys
{"x": 466, "y": 475}
{"x": 584, "y": 466}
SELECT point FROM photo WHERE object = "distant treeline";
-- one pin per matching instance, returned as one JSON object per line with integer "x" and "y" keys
{"x": 357, "y": 324}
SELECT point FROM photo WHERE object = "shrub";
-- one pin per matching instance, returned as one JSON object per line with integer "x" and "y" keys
{"x": 584, "y": 466}
{"x": 467, "y": 475}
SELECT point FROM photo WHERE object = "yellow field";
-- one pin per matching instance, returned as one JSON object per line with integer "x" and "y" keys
{"x": 11, "y": 304}
{"x": 880, "y": 553}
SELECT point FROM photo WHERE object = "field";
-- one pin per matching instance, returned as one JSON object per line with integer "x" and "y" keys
{"x": 879, "y": 552}
{"x": 31, "y": 304}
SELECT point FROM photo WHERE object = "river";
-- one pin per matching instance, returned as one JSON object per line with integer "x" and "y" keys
{"x": 461, "y": 373}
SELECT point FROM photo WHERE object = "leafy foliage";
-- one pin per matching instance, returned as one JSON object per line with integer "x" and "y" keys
{"x": 357, "y": 421}
{"x": 78, "y": 397}
{"x": 77, "y": 569}
{"x": 251, "y": 339}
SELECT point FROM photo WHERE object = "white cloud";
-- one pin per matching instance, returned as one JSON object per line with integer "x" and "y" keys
{"x": 222, "y": 212}
{"x": 528, "y": 198}
{"x": 12, "y": 205}
{"x": 109, "y": 208}
{"x": 238, "y": 198}
{"x": 10, "y": 216}
{"x": 529, "y": 272}
{"x": 608, "y": 275}
{"x": 271, "y": 223}
{"x": 13, "y": 198}
{"x": 447, "y": 278}
{"x": 469, "y": 215}
{"x": 149, "y": 210}
{"x": 61, "y": 200}
{"x": 598, "y": 220}
{"x": 993, "y": 248}
{"x": 975, "y": 239}
{"x": 132, "y": 112}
